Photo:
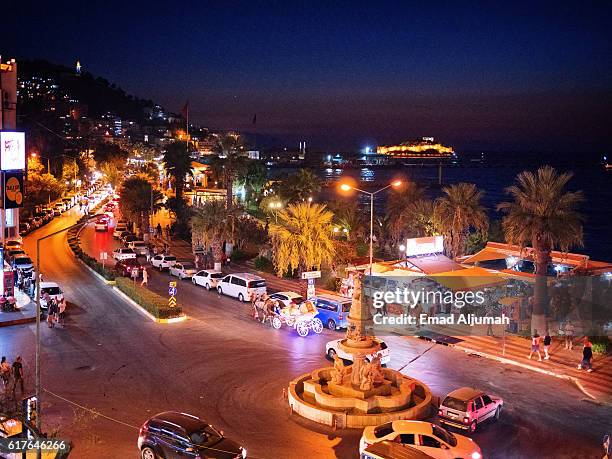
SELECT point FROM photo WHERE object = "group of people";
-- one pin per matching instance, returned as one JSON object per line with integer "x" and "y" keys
{"x": 587, "y": 351}
{"x": 56, "y": 310}
{"x": 12, "y": 375}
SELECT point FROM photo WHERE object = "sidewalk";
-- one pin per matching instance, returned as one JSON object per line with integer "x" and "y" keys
{"x": 26, "y": 312}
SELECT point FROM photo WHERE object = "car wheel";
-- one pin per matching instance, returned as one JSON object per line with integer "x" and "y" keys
{"x": 330, "y": 354}
{"x": 194, "y": 281}
{"x": 147, "y": 453}
{"x": 331, "y": 324}
{"x": 240, "y": 298}
{"x": 473, "y": 426}
{"x": 497, "y": 413}
{"x": 207, "y": 286}
{"x": 219, "y": 290}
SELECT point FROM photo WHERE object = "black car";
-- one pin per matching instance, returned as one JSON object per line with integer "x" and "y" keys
{"x": 173, "y": 434}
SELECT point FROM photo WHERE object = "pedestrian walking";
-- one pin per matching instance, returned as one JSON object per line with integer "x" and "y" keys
{"x": 18, "y": 375}
{"x": 607, "y": 446}
{"x": 62, "y": 311}
{"x": 535, "y": 346}
{"x": 568, "y": 331}
{"x": 145, "y": 277}
{"x": 587, "y": 355}
{"x": 547, "y": 342}
{"x": 148, "y": 256}
{"x": 52, "y": 313}
{"x": 5, "y": 372}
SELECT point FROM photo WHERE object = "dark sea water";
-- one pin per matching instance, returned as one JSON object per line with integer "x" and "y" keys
{"x": 496, "y": 172}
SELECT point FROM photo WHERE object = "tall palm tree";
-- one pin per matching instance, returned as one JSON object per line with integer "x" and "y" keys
{"x": 300, "y": 186}
{"x": 544, "y": 215}
{"x": 138, "y": 199}
{"x": 229, "y": 146}
{"x": 253, "y": 176}
{"x": 401, "y": 210}
{"x": 302, "y": 239}
{"x": 178, "y": 165}
{"x": 212, "y": 224}
{"x": 458, "y": 211}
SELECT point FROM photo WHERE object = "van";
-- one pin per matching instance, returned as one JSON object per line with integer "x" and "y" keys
{"x": 242, "y": 286}
{"x": 333, "y": 310}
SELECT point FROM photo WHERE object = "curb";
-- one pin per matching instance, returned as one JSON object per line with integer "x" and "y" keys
{"x": 25, "y": 320}
{"x": 146, "y": 313}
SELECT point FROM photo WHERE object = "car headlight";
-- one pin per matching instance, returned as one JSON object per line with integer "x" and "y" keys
{"x": 244, "y": 453}
{"x": 476, "y": 455}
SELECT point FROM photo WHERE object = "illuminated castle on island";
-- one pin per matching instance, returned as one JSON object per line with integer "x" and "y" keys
{"x": 425, "y": 147}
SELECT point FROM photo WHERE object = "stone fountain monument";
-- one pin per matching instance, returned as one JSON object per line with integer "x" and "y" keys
{"x": 362, "y": 393}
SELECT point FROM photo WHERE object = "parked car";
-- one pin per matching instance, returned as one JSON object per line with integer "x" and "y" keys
{"x": 123, "y": 253}
{"x": 163, "y": 261}
{"x": 465, "y": 408}
{"x": 38, "y": 219}
{"x": 129, "y": 238}
{"x": 333, "y": 347}
{"x": 423, "y": 436}
{"x": 208, "y": 278}
{"x": 54, "y": 291}
{"x": 101, "y": 225}
{"x": 23, "y": 262}
{"x": 127, "y": 266}
{"x": 172, "y": 435}
{"x": 140, "y": 247}
{"x": 183, "y": 269}
{"x": 12, "y": 244}
{"x": 242, "y": 286}
{"x": 125, "y": 234}
{"x": 392, "y": 450}
{"x": 288, "y": 298}
{"x": 12, "y": 253}
{"x": 119, "y": 229}
{"x": 24, "y": 227}
{"x": 333, "y": 310}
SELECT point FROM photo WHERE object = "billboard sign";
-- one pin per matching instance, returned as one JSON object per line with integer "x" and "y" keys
{"x": 12, "y": 150}
{"x": 424, "y": 245}
{"x": 13, "y": 191}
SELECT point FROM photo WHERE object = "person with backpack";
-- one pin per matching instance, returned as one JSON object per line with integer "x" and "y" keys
{"x": 587, "y": 355}
{"x": 535, "y": 346}
{"x": 52, "y": 313}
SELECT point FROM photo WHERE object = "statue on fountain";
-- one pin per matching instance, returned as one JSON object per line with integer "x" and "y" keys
{"x": 340, "y": 370}
{"x": 371, "y": 374}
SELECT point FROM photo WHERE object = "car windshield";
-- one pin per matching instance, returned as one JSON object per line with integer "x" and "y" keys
{"x": 188, "y": 266}
{"x": 205, "y": 437}
{"x": 23, "y": 261}
{"x": 455, "y": 404}
{"x": 216, "y": 275}
{"x": 346, "y": 307}
{"x": 444, "y": 435}
{"x": 257, "y": 283}
{"x": 51, "y": 290}
{"x": 127, "y": 251}
{"x": 170, "y": 258}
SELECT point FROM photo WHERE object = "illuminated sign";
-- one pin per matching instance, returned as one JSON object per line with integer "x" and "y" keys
{"x": 424, "y": 245}
{"x": 12, "y": 185}
{"x": 12, "y": 150}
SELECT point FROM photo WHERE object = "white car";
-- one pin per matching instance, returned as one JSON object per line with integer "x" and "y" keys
{"x": 183, "y": 269}
{"x": 242, "y": 286}
{"x": 163, "y": 261}
{"x": 287, "y": 298}
{"x": 119, "y": 229}
{"x": 423, "y": 436}
{"x": 207, "y": 278}
{"x": 101, "y": 225}
{"x": 123, "y": 253}
{"x": 23, "y": 262}
{"x": 12, "y": 244}
{"x": 333, "y": 347}
{"x": 466, "y": 408}
{"x": 54, "y": 291}
{"x": 140, "y": 247}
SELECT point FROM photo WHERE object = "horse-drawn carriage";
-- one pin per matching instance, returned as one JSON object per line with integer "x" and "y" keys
{"x": 302, "y": 317}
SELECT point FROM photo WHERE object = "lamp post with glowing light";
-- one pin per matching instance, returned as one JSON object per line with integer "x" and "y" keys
{"x": 347, "y": 187}
{"x": 275, "y": 206}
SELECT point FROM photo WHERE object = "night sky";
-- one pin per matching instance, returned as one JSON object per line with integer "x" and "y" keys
{"x": 524, "y": 77}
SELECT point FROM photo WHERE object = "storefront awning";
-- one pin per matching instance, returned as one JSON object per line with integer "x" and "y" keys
{"x": 485, "y": 254}
{"x": 469, "y": 279}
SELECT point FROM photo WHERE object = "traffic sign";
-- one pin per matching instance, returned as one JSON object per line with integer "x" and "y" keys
{"x": 172, "y": 284}
{"x": 103, "y": 255}
{"x": 311, "y": 274}
{"x": 171, "y": 302}
{"x": 172, "y": 291}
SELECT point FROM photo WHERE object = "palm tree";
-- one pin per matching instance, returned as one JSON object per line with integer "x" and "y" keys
{"x": 138, "y": 199}
{"x": 178, "y": 165}
{"x": 402, "y": 211}
{"x": 544, "y": 215}
{"x": 212, "y": 224}
{"x": 458, "y": 211}
{"x": 229, "y": 146}
{"x": 253, "y": 176}
{"x": 300, "y": 186}
{"x": 302, "y": 240}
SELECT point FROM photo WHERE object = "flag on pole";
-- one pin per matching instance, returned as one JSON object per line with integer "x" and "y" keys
{"x": 185, "y": 110}
{"x": 255, "y": 118}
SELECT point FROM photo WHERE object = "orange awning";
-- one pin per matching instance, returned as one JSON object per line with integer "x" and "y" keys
{"x": 486, "y": 254}
{"x": 469, "y": 279}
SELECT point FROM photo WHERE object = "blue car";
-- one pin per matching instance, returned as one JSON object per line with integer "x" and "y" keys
{"x": 333, "y": 310}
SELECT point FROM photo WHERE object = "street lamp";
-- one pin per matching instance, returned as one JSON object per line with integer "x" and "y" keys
{"x": 347, "y": 187}
{"x": 275, "y": 206}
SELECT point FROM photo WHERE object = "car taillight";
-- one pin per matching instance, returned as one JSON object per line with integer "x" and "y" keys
{"x": 340, "y": 317}
{"x": 466, "y": 420}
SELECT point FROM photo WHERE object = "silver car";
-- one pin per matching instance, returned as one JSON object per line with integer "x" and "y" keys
{"x": 466, "y": 408}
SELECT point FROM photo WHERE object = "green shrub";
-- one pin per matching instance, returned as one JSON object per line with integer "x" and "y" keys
{"x": 155, "y": 304}
{"x": 240, "y": 255}
{"x": 263, "y": 264}
{"x": 333, "y": 283}
{"x": 601, "y": 344}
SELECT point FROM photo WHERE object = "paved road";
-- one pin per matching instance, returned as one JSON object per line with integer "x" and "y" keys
{"x": 222, "y": 365}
